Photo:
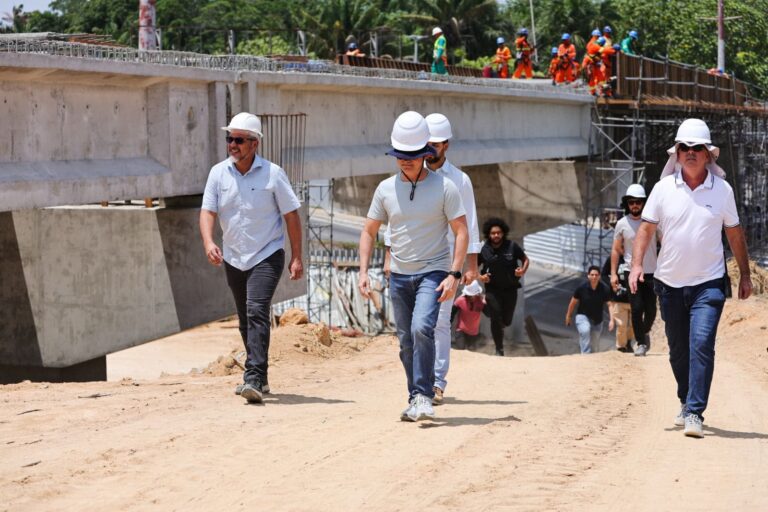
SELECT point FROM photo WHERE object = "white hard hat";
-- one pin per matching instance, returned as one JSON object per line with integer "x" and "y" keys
{"x": 439, "y": 128}
{"x": 410, "y": 132}
{"x": 692, "y": 132}
{"x": 635, "y": 190}
{"x": 437, "y": 30}
{"x": 472, "y": 289}
{"x": 245, "y": 122}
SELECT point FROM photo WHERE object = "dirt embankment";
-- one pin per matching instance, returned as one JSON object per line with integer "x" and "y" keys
{"x": 558, "y": 433}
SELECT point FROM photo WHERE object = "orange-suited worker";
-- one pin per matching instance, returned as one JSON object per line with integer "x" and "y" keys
{"x": 593, "y": 66}
{"x": 566, "y": 55}
{"x": 354, "y": 51}
{"x": 523, "y": 54}
{"x": 608, "y": 54}
{"x": 553, "y": 64}
{"x": 503, "y": 55}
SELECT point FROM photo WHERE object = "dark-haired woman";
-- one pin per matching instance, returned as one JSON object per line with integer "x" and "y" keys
{"x": 502, "y": 263}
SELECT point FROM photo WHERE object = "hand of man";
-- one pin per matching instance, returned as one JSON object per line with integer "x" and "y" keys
{"x": 745, "y": 287}
{"x": 447, "y": 287}
{"x": 484, "y": 278}
{"x": 634, "y": 276}
{"x": 567, "y": 321}
{"x": 213, "y": 253}
{"x": 614, "y": 282}
{"x": 519, "y": 272}
{"x": 296, "y": 268}
{"x": 387, "y": 268}
{"x": 611, "y": 325}
{"x": 469, "y": 276}
{"x": 364, "y": 285}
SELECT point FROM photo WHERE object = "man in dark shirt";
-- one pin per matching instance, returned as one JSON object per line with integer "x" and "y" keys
{"x": 588, "y": 301}
{"x": 502, "y": 263}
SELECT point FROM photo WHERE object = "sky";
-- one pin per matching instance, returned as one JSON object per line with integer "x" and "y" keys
{"x": 29, "y": 5}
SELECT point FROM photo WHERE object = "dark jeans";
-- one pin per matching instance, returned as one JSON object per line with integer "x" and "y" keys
{"x": 691, "y": 315}
{"x": 253, "y": 290}
{"x": 500, "y": 306}
{"x": 643, "y": 304}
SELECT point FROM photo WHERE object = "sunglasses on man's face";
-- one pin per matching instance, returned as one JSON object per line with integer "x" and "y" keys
{"x": 236, "y": 140}
{"x": 696, "y": 148}
{"x": 635, "y": 201}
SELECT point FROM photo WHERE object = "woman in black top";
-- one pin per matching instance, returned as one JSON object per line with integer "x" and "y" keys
{"x": 502, "y": 263}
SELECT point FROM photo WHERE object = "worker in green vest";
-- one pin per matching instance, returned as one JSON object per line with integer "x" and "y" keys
{"x": 440, "y": 53}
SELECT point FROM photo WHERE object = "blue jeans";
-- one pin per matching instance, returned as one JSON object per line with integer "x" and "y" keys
{"x": 414, "y": 302}
{"x": 691, "y": 315}
{"x": 588, "y": 334}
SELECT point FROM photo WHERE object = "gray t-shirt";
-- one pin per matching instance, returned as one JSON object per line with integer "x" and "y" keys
{"x": 418, "y": 227}
{"x": 625, "y": 230}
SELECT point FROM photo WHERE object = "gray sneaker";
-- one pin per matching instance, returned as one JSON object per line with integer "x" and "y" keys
{"x": 424, "y": 410}
{"x": 264, "y": 388}
{"x": 409, "y": 414}
{"x": 252, "y": 393}
{"x": 680, "y": 418}
{"x": 641, "y": 350}
{"x": 693, "y": 426}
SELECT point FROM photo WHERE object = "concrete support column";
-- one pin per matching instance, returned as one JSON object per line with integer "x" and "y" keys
{"x": 217, "y": 109}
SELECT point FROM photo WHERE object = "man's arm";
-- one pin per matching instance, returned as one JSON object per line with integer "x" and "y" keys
{"x": 616, "y": 250}
{"x": 293, "y": 226}
{"x": 367, "y": 236}
{"x": 738, "y": 244}
{"x": 212, "y": 251}
{"x": 571, "y": 307}
{"x": 450, "y": 283}
{"x": 642, "y": 239}
{"x": 520, "y": 271}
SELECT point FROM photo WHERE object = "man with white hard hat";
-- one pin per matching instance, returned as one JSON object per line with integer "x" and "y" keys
{"x": 642, "y": 303}
{"x": 439, "y": 52}
{"x": 419, "y": 206}
{"x": 251, "y": 197}
{"x": 691, "y": 204}
{"x": 440, "y": 134}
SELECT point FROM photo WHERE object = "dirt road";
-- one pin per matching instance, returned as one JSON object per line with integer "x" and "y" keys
{"x": 559, "y": 433}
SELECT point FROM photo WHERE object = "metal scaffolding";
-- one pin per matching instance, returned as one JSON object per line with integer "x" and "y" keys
{"x": 628, "y": 143}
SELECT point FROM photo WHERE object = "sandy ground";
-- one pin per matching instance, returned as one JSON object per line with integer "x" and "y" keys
{"x": 517, "y": 433}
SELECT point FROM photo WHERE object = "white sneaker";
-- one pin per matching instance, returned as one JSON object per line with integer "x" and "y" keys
{"x": 680, "y": 418}
{"x": 424, "y": 410}
{"x": 409, "y": 414}
{"x": 693, "y": 426}
{"x": 641, "y": 350}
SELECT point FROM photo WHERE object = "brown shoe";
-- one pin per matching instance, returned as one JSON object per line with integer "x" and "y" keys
{"x": 438, "y": 398}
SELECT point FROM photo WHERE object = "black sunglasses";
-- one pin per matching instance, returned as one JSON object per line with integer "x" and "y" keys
{"x": 635, "y": 201}
{"x": 236, "y": 140}
{"x": 696, "y": 148}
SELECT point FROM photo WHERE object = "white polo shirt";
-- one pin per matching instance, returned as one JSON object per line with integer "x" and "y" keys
{"x": 692, "y": 221}
{"x": 250, "y": 207}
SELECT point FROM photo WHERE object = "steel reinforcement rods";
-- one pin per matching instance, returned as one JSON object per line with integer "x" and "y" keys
{"x": 251, "y": 63}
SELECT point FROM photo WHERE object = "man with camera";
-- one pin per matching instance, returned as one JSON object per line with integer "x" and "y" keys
{"x": 643, "y": 301}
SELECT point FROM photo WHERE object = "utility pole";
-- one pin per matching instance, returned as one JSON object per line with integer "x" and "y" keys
{"x": 416, "y": 39}
{"x": 533, "y": 33}
{"x": 147, "y": 17}
{"x": 720, "y": 37}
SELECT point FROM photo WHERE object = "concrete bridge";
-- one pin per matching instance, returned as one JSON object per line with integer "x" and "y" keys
{"x": 79, "y": 281}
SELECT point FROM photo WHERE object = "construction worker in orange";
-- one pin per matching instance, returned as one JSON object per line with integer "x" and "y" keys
{"x": 608, "y": 52}
{"x": 503, "y": 55}
{"x": 354, "y": 51}
{"x": 593, "y": 66}
{"x": 553, "y": 64}
{"x": 566, "y": 55}
{"x": 608, "y": 35}
{"x": 523, "y": 55}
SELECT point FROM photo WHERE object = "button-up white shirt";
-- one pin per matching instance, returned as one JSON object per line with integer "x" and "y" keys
{"x": 250, "y": 207}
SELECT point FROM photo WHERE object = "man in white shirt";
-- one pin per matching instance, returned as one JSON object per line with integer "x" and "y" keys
{"x": 251, "y": 197}
{"x": 440, "y": 133}
{"x": 691, "y": 204}
{"x": 643, "y": 303}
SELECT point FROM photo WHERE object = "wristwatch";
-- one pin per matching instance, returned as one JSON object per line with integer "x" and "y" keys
{"x": 455, "y": 273}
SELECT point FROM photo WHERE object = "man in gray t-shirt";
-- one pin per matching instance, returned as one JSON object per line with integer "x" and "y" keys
{"x": 419, "y": 206}
{"x": 643, "y": 302}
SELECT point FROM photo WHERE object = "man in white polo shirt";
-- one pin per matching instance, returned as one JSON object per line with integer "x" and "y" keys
{"x": 251, "y": 197}
{"x": 691, "y": 204}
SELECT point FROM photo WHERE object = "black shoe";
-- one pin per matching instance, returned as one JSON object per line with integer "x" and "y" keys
{"x": 500, "y": 352}
{"x": 252, "y": 393}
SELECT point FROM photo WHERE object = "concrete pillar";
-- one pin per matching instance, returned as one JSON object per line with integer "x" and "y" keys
{"x": 217, "y": 112}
